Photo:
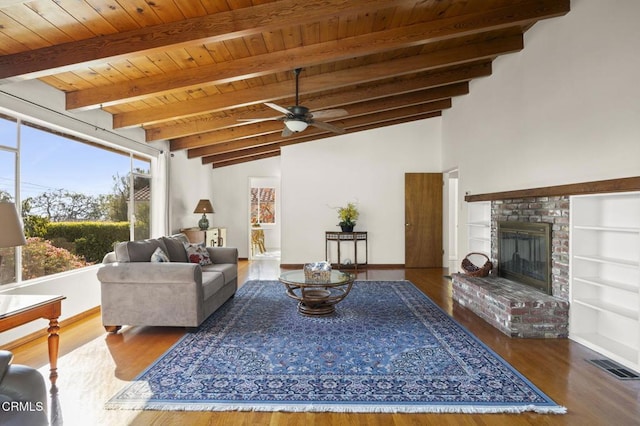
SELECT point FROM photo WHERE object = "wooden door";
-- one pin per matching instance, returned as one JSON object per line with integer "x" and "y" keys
{"x": 423, "y": 220}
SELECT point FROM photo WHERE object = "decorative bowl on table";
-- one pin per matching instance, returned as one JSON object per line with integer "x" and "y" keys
{"x": 317, "y": 272}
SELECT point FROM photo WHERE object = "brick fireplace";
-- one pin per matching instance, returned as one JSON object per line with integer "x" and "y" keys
{"x": 553, "y": 210}
{"x": 516, "y": 309}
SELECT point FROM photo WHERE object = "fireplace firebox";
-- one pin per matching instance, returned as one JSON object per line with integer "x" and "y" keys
{"x": 524, "y": 253}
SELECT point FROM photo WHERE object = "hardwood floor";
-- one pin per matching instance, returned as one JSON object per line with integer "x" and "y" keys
{"x": 94, "y": 365}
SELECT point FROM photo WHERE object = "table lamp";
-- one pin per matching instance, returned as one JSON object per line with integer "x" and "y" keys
{"x": 11, "y": 234}
{"x": 204, "y": 207}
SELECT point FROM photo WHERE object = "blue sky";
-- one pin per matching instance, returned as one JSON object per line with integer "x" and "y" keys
{"x": 50, "y": 162}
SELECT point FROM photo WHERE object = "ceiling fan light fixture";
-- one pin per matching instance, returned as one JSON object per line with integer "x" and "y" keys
{"x": 296, "y": 125}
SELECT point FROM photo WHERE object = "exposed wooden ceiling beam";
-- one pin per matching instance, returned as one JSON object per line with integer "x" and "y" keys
{"x": 313, "y": 133}
{"x": 241, "y": 159}
{"x": 305, "y": 56}
{"x": 443, "y": 78}
{"x": 244, "y": 153}
{"x": 206, "y": 29}
{"x": 368, "y": 109}
{"x": 327, "y": 81}
{"x": 238, "y": 145}
{"x": 257, "y": 129}
{"x": 246, "y": 159}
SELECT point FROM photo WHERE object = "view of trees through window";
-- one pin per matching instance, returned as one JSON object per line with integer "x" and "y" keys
{"x": 76, "y": 199}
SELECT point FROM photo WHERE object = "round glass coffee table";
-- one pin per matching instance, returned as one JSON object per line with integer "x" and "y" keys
{"x": 317, "y": 297}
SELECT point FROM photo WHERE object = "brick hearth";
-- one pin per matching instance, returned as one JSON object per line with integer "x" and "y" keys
{"x": 515, "y": 309}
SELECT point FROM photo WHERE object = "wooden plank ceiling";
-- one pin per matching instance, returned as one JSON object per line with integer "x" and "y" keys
{"x": 190, "y": 70}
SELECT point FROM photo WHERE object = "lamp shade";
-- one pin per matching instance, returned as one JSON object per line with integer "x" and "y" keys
{"x": 11, "y": 234}
{"x": 296, "y": 125}
{"x": 204, "y": 206}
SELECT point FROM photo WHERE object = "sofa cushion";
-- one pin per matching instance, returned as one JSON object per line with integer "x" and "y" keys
{"x": 229, "y": 270}
{"x": 138, "y": 251}
{"x": 211, "y": 283}
{"x": 175, "y": 247}
{"x": 159, "y": 256}
{"x": 197, "y": 254}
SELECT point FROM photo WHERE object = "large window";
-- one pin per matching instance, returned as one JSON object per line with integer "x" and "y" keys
{"x": 8, "y": 158}
{"x": 76, "y": 199}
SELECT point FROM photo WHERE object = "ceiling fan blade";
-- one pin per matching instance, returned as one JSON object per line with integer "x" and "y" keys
{"x": 286, "y": 132}
{"x": 259, "y": 120}
{"x": 278, "y": 108}
{"x": 329, "y": 113}
{"x": 327, "y": 126}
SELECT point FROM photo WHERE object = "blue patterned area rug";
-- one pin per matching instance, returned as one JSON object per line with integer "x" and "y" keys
{"x": 387, "y": 348}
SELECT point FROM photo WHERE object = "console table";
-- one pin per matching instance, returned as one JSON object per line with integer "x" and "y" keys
{"x": 214, "y": 237}
{"x": 20, "y": 309}
{"x": 349, "y": 237}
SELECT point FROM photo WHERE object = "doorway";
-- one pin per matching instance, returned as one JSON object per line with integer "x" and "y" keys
{"x": 423, "y": 220}
{"x": 450, "y": 242}
{"x": 264, "y": 218}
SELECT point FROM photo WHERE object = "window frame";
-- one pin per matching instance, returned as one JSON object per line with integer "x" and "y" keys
{"x": 133, "y": 155}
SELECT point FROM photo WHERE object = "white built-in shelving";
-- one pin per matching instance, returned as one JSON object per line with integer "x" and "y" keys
{"x": 605, "y": 275}
{"x": 479, "y": 227}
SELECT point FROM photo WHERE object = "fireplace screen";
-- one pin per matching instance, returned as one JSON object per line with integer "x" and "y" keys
{"x": 524, "y": 253}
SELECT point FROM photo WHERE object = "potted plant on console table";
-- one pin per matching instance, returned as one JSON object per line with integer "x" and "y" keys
{"x": 348, "y": 216}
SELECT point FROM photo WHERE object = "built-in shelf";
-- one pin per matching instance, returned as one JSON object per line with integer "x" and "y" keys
{"x": 608, "y": 307}
{"x": 599, "y": 282}
{"x": 608, "y": 229}
{"x": 605, "y": 274}
{"x": 609, "y": 260}
{"x": 483, "y": 224}
{"x": 479, "y": 227}
{"x": 619, "y": 351}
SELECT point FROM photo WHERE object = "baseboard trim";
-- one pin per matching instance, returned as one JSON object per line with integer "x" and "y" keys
{"x": 360, "y": 268}
{"x": 43, "y": 333}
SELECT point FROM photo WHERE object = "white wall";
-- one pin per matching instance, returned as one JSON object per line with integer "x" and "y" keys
{"x": 189, "y": 182}
{"x": 564, "y": 110}
{"x": 366, "y": 167}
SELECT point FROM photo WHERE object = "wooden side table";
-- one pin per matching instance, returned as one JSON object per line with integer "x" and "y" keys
{"x": 355, "y": 238}
{"x": 19, "y": 309}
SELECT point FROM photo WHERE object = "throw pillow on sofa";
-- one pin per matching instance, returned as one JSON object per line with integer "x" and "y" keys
{"x": 138, "y": 251}
{"x": 176, "y": 247}
{"x": 198, "y": 254}
{"x": 159, "y": 256}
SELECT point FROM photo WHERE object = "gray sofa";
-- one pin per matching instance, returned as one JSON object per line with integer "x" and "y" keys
{"x": 169, "y": 290}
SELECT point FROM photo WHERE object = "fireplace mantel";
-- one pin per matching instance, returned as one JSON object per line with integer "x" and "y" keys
{"x": 595, "y": 187}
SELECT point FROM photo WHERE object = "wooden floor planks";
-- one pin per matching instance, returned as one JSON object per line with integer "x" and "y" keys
{"x": 94, "y": 365}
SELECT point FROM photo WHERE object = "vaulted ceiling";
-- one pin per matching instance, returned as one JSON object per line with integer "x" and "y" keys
{"x": 193, "y": 71}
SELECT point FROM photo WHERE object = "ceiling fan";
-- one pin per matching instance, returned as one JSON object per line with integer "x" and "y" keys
{"x": 297, "y": 118}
